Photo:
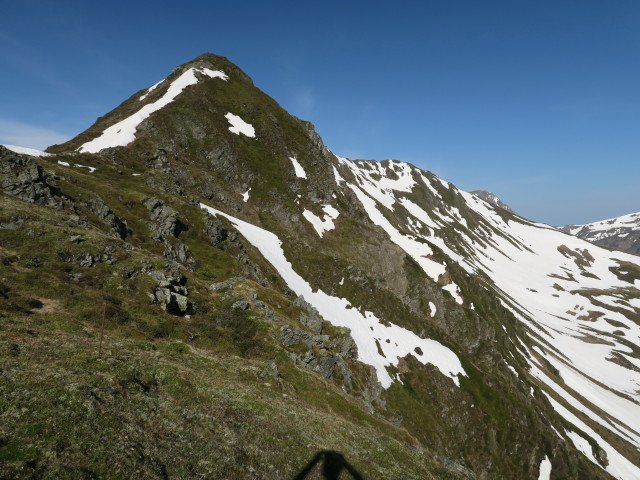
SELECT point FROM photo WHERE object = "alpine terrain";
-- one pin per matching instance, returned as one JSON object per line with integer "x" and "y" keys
{"x": 196, "y": 287}
{"x": 620, "y": 233}
{"x": 492, "y": 199}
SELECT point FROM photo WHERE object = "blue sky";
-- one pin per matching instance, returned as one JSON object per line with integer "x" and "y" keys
{"x": 537, "y": 101}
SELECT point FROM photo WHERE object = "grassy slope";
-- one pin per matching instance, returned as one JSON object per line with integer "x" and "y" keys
{"x": 170, "y": 397}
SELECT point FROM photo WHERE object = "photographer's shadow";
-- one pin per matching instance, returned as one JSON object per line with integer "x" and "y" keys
{"x": 333, "y": 464}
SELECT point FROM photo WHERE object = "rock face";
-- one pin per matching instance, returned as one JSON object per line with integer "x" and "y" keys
{"x": 492, "y": 199}
{"x": 619, "y": 233}
{"x": 104, "y": 213}
{"x": 25, "y": 179}
{"x": 166, "y": 222}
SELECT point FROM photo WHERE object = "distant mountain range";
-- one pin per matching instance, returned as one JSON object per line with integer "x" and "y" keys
{"x": 619, "y": 233}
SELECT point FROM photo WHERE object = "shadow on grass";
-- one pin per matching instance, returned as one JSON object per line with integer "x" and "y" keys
{"x": 333, "y": 464}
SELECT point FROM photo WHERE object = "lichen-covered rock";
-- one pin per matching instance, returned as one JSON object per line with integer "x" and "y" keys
{"x": 220, "y": 286}
{"x": 240, "y": 305}
{"x": 167, "y": 223}
{"x": 170, "y": 293}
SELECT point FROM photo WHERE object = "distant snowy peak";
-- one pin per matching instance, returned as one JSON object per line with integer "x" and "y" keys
{"x": 124, "y": 132}
{"x": 619, "y": 233}
{"x": 492, "y": 199}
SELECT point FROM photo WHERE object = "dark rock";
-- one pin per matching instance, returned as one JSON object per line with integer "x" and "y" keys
{"x": 292, "y": 336}
{"x": 104, "y": 213}
{"x": 179, "y": 252}
{"x": 25, "y": 179}
{"x": 166, "y": 219}
{"x": 170, "y": 293}
{"x": 312, "y": 320}
{"x": 215, "y": 231}
{"x": 348, "y": 348}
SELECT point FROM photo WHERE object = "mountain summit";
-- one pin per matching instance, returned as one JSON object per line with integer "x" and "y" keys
{"x": 201, "y": 272}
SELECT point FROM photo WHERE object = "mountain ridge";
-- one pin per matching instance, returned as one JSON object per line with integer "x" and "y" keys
{"x": 403, "y": 259}
{"x": 618, "y": 233}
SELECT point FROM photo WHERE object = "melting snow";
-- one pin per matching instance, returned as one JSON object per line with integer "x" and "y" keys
{"x": 583, "y": 445}
{"x": 365, "y": 328}
{"x": 300, "y": 173}
{"x": 124, "y": 132}
{"x": 27, "y": 151}
{"x": 91, "y": 169}
{"x": 325, "y": 224}
{"x": 545, "y": 469}
{"x": 239, "y": 126}
{"x": 151, "y": 89}
{"x": 245, "y": 195}
{"x": 64, "y": 164}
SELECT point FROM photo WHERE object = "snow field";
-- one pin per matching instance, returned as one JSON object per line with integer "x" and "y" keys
{"x": 367, "y": 331}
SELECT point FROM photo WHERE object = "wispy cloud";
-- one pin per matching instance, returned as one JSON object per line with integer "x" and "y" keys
{"x": 25, "y": 135}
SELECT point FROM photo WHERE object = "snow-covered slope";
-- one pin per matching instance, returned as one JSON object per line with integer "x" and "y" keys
{"x": 581, "y": 303}
{"x": 620, "y": 233}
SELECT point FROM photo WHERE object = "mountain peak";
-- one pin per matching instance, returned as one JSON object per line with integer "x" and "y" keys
{"x": 126, "y": 123}
{"x": 492, "y": 199}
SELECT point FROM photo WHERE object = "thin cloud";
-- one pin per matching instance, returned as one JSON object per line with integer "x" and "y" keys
{"x": 25, "y": 135}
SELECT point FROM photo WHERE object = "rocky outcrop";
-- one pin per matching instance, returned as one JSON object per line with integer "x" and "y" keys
{"x": 215, "y": 231}
{"x": 25, "y": 179}
{"x": 166, "y": 221}
{"x": 165, "y": 225}
{"x": 170, "y": 293}
{"x": 311, "y": 319}
{"x": 103, "y": 212}
{"x": 492, "y": 199}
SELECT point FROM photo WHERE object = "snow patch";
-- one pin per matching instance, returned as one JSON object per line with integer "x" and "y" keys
{"x": 322, "y": 224}
{"x": 545, "y": 469}
{"x": 91, "y": 169}
{"x": 239, "y": 126}
{"x": 245, "y": 195}
{"x": 27, "y": 151}
{"x": 300, "y": 173}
